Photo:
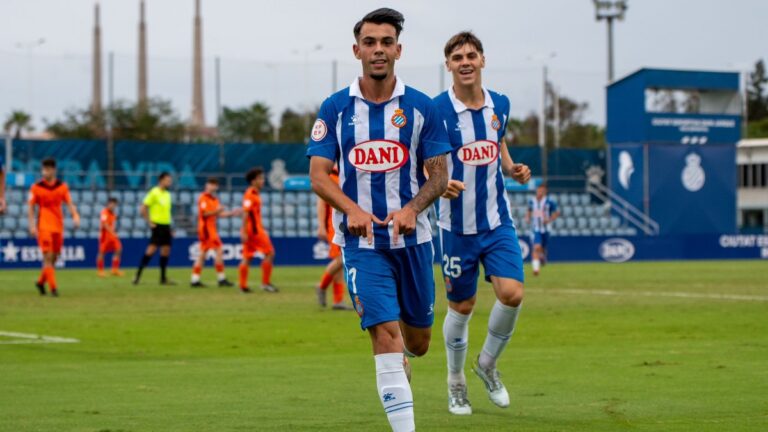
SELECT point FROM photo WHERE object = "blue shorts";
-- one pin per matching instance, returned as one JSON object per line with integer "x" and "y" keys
{"x": 498, "y": 250}
{"x": 540, "y": 238}
{"x": 392, "y": 284}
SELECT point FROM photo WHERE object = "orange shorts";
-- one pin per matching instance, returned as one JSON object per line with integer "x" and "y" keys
{"x": 110, "y": 244}
{"x": 210, "y": 243}
{"x": 257, "y": 244}
{"x": 50, "y": 241}
{"x": 334, "y": 251}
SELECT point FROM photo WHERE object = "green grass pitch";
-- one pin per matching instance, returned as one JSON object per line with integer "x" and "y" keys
{"x": 599, "y": 347}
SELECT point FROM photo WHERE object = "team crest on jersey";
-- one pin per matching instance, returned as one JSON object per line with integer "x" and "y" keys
{"x": 319, "y": 130}
{"x": 399, "y": 119}
{"x": 495, "y": 122}
{"x": 479, "y": 153}
{"x": 378, "y": 156}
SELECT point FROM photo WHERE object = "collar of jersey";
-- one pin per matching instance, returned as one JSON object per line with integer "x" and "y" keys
{"x": 354, "y": 89}
{"x": 459, "y": 106}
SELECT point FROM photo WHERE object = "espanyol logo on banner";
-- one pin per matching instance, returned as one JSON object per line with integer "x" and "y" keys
{"x": 479, "y": 153}
{"x": 378, "y": 156}
{"x": 617, "y": 250}
{"x": 693, "y": 175}
{"x": 626, "y": 168}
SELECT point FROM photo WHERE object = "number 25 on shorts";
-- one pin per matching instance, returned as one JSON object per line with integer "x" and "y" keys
{"x": 452, "y": 266}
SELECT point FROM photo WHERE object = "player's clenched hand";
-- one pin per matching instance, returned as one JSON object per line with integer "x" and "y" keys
{"x": 33, "y": 231}
{"x": 2, "y": 206}
{"x": 360, "y": 223}
{"x": 76, "y": 221}
{"x": 521, "y": 173}
{"x": 322, "y": 233}
{"x": 455, "y": 188}
{"x": 403, "y": 222}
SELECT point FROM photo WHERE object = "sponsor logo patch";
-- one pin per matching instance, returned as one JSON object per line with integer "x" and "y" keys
{"x": 479, "y": 153}
{"x": 617, "y": 250}
{"x": 319, "y": 130}
{"x": 378, "y": 156}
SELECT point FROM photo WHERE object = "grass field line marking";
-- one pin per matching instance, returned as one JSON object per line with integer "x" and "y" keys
{"x": 31, "y": 338}
{"x": 737, "y": 297}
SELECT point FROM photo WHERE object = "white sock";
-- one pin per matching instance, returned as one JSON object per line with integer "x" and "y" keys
{"x": 501, "y": 324}
{"x": 536, "y": 265}
{"x": 195, "y": 278}
{"x": 395, "y": 391}
{"x": 222, "y": 276}
{"x": 456, "y": 336}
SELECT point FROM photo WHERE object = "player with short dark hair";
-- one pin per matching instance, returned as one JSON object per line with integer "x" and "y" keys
{"x": 256, "y": 241}
{"x": 48, "y": 195}
{"x": 383, "y": 134}
{"x": 542, "y": 211}
{"x": 209, "y": 210}
{"x": 109, "y": 242}
{"x": 156, "y": 210}
{"x": 475, "y": 221}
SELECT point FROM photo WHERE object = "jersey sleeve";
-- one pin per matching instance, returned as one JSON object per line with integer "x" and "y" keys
{"x": 66, "y": 195}
{"x": 33, "y": 198}
{"x": 433, "y": 137}
{"x": 202, "y": 205}
{"x": 150, "y": 198}
{"x": 323, "y": 140}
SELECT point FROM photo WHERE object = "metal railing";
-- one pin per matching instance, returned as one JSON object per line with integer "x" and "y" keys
{"x": 629, "y": 212}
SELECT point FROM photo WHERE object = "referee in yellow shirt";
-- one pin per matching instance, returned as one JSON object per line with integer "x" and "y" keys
{"x": 156, "y": 210}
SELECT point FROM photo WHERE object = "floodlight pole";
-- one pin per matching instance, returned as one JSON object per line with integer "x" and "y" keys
{"x": 610, "y": 10}
{"x": 609, "y": 22}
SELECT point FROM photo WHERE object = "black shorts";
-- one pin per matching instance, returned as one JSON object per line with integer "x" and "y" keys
{"x": 161, "y": 235}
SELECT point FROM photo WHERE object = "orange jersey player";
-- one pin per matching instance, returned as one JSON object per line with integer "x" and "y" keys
{"x": 48, "y": 195}
{"x": 108, "y": 240}
{"x": 209, "y": 209}
{"x": 334, "y": 270}
{"x": 253, "y": 235}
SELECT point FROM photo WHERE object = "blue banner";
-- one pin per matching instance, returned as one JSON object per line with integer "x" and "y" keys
{"x": 81, "y": 253}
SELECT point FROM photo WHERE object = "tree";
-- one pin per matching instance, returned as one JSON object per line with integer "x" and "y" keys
{"x": 246, "y": 124}
{"x": 757, "y": 103}
{"x": 295, "y": 126}
{"x": 77, "y": 124}
{"x": 18, "y": 120}
{"x": 156, "y": 122}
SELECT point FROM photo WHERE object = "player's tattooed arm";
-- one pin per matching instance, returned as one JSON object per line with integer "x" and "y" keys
{"x": 404, "y": 220}
{"x": 436, "y": 184}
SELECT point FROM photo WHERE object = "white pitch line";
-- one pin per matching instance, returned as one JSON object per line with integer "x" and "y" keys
{"x": 31, "y": 338}
{"x": 737, "y": 297}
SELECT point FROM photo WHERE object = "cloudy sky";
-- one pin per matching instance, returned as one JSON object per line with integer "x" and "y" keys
{"x": 281, "y": 52}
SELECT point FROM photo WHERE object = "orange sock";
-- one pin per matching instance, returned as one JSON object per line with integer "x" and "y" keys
{"x": 243, "y": 276}
{"x": 338, "y": 292}
{"x": 325, "y": 281}
{"x": 266, "y": 272}
{"x": 196, "y": 270}
{"x": 43, "y": 276}
{"x": 51, "y": 278}
{"x": 100, "y": 264}
{"x": 115, "y": 264}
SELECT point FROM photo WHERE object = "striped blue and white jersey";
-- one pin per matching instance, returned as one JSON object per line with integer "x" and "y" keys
{"x": 380, "y": 150}
{"x": 541, "y": 210}
{"x": 476, "y": 137}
